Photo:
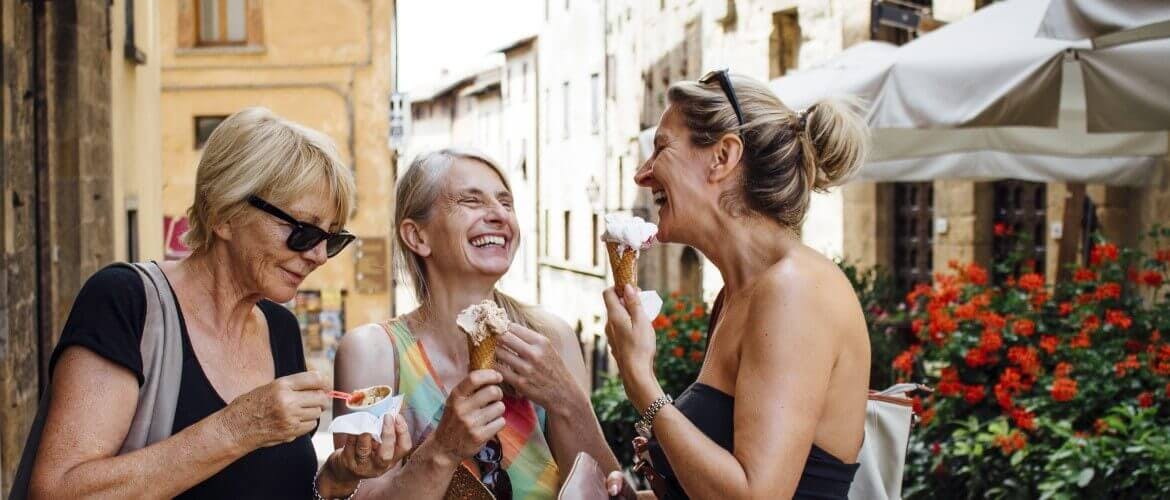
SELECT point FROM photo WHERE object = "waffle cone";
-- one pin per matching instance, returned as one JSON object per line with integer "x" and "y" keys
{"x": 483, "y": 355}
{"x": 625, "y": 265}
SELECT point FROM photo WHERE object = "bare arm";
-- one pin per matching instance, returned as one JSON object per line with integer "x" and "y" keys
{"x": 366, "y": 358}
{"x": 573, "y": 427}
{"x": 787, "y": 357}
{"x": 93, "y": 404}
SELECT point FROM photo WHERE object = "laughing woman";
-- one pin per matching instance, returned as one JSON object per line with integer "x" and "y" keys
{"x": 457, "y": 234}
{"x": 779, "y": 406}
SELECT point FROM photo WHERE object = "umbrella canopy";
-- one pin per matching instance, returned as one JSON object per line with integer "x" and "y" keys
{"x": 917, "y": 91}
{"x": 1106, "y": 22}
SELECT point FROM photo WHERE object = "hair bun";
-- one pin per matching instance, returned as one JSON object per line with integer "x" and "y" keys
{"x": 839, "y": 137}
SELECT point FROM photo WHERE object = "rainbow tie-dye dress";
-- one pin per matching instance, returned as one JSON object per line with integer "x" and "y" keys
{"x": 527, "y": 457}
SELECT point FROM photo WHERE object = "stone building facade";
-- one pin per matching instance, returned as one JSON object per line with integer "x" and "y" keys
{"x": 327, "y": 65}
{"x": 79, "y": 175}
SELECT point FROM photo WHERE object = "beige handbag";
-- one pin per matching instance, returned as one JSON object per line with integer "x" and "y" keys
{"x": 889, "y": 416}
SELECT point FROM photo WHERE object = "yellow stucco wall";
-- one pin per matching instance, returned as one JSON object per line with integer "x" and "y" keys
{"x": 326, "y": 65}
{"x": 136, "y": 141}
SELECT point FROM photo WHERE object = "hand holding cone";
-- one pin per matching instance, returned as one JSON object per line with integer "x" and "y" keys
{"x": 482, "y": 322}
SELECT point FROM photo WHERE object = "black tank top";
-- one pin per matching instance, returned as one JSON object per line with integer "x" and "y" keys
{"x": 713, "y": 412}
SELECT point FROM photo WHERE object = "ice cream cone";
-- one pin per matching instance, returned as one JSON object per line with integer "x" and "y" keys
{"x": 625, "y": 265}
{"x": 482, "y": 356}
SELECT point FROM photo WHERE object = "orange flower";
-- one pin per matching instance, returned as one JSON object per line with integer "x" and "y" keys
{"x": 672, "y": 334}
{"x": 678, "y": 351}
{"x": 1090, "y": 323}
{"x": 1152, "y": 278}
{"x": 1049, "y": 343}
{"x": 1118, "y": 319}
{"x": 1064, "y": 389}
{"x": 678, "y": 306}
{"x": 1011, "y": 443}
{"x": 948, "y": 384}
{"x": 904, "y": 362}
{"x": 976, "y": 358}
{"x": 993, "y": 321}
{"x": 1062, "y": 369}
{"x": 1065, "y": 308}
{"x": 1102, "y": 253}
{"x": 1024, "y": 327}
{"x": 1100, "y": 426}
{"x": 696, "y": 336}
{"x": 1026, "y": 358}
{"x": 698, "y": 311}
{"x": 1145, "y": 399}
{"x": 1082, "y": 275}
{"x": 1031, "y": 282}
{"x": 675, "y": 294}
{"x": 1039, "y": 299}
{"x": 660, "y": 322}
{"x": 696, "y": 356}
{"x": 973, "y": 394}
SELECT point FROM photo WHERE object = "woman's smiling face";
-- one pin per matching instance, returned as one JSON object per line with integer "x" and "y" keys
{"x": 474, "y": 227}
{"x": 677, "y": 174}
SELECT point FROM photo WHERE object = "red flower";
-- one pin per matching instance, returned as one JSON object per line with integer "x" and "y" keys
{"x": 1100, "y": 426}
{"x": 678, "y": 306}
{"x": 1064, "y": 389}
{"x": 1145, "y": 399}
{"x": 1082, "y": 275}
{"x": 696, "y": 336}
{"x": 1152, "y": 278}
{"x": 1102, "y": 253}
{"x": 1031, "y": 282}
{"x": 660, "y": 322}
{"x": 990, "y": 341}
{"x": 1024, "y": 327}
{"x": 1109, "y": 291}
{"x": 1090, "y": 323}
{"x": 993, "y": 321}
{"x": 1131, "y": 363}
{"x": 935, "y": 448}
{"x": 1118, "y": 319}
{"x": 1039, "y": 299}
{"x": 672, "y": 334}
{"x": 1011, "y": 443}
{"x": 1065, "y": 308}
{"x": 976, "y": 358}
{"x": 1049, "y": 343}
{"x": 1026, "y": 358}
{"x": 948, "y": 384}
{"x": 678, "y": 351}
{"x": 696, "y": 356}
{"x": 698, "y": 311}
{"x": 926, "y": 417}
{"x": 976, "y": 274}
{"x": 1134, "y": 346}
{"x": 1024, "y": 419}
{"x": 966, "y": 311}
{"x": 1163, "y": 256}
{"x": 973, "y": 394}
{"x": 1002, "y": 229}
{"x": 1168, "y": 391}
{"x": 1081, "y": 341}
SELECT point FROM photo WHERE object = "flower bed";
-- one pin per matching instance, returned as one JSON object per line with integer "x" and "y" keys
{"x": 1041, "y": 391}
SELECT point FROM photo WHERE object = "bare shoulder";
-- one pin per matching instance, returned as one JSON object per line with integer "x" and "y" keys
{"x": 368, "y": 337}
{"x": 804, "y": 293}
{"x": 365, "y": 357}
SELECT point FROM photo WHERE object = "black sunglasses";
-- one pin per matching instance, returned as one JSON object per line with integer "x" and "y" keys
{"x": 492, "y": 474}
{"x": 305, "y": 236}
{"x": 724, "y": 79}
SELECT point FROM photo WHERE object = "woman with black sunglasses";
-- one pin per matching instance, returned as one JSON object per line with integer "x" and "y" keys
{"x": 271, "y": 198}
{"x": 516, "y": 428}
{"x": 778, "y": 409}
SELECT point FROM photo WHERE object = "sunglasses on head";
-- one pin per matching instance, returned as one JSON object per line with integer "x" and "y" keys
{"x": 724, "y": 79}
{"x": 492, "y": 474}
{"x": 305, "y": 236}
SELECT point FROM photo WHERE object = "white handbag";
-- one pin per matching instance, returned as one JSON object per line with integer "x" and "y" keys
{"x": 889, "y": 416}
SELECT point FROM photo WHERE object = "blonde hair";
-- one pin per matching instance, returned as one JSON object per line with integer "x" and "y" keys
{"x": 786, "y": 154}
{"x": 418, "y": 190}
{"x": 255, "y": 152}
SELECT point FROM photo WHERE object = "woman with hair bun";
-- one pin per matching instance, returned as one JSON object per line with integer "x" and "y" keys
{"x": 778, "y": 409}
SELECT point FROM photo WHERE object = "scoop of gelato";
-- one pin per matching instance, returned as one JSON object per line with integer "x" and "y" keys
{"x": 629, "y": 232}
{"x": 482, "y": 319}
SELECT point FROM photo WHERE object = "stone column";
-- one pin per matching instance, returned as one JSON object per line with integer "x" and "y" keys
{"x": 963, "y": 212}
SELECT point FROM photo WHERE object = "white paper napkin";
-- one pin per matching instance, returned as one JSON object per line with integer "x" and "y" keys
{"x": 651, "y": 303}
{"x": 363, "y": 422}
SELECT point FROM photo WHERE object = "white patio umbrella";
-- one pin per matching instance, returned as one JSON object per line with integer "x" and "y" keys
{"x": 1106, "y": 22}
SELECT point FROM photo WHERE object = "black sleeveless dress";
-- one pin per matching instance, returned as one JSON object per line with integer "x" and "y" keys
{"x": 713, "y": 412}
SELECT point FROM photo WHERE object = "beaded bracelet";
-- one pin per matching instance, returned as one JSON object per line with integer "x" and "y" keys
{"x": 317, "y": 493}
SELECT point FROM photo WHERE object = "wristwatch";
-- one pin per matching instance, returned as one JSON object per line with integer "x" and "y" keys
{"x": 645, "y": 425}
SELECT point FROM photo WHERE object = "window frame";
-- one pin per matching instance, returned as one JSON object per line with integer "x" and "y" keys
{"x": 221, "y": 8}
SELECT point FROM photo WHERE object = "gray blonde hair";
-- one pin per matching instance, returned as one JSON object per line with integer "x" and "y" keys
{"x": 255, "y": 152}
{"x": 787, "y": 154}
{"x": 417, "y": 192}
